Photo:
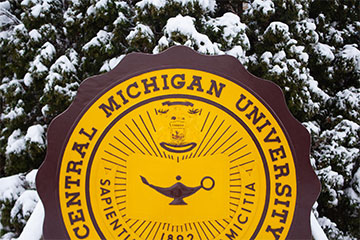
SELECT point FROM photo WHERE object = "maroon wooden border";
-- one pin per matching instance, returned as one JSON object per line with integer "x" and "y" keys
{"x": 177, "y": 57}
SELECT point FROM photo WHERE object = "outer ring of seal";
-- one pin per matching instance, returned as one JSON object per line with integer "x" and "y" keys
{"x": 176, "y": 57}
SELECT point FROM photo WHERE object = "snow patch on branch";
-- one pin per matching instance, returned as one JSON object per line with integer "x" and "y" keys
{"x": 63, "y": 65}
{"x": 39, "y": 8}
{"x": 16, "y": 143}
{"x": 33, "y": 228}
{"x": 35, "y": 134}
{"x": 13, "y": 113}
{"x": 5, "y": 5}
{"x": 325, "y": 52}
{"x": 101, "y": 38}
{"x": 233, "y": 34}
{"x": 111, "y": 64}
{"x": 312, "y": 127}
{"x": 31, "y": 178}
{"x": 276, "y": 27}
{"x": 206, "y": 5}
{"x": 351, "y": 53}
{"x": 25, "y": 204}
{"x": 316, "y": 230}
{"x": 180, "y": 30}
{"x": 266, "y": 7}
{"x": 11, "y": 187}
{"x": 140, "y": 30}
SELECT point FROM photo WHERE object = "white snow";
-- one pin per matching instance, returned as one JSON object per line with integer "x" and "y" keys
{"x": 48, "y": 51}
{"x": 51, "y": 78}
{"x": 101, "y": 4}
{"x": 69, "y": 89}
{"x": 73, "y": 56}
{"x": 11, "y": 187}
{"x": 299, "y": 51}
{"x": 326, "y": 223}
{"x": 44, "y": 110}
{"x": 280, "y": 66}
{"x": 14, "y": 83}
{"x": 346, "y": 129}
{"x": 8, "y": 236}
{"x": 91, "y": 10}
{"x": 313, "y": 86}
{"x": 115, "y": 61}
{"x": 111, "y": 64}
{"x": 6, "y": 18}
{"x": 8, "y": 22}
{"x": 5, "y": 5}
{"x": 140, "y": 30}
{"x": 351, "y": 53}
{"x": 15, "y": 112}
{"x": 25, "y": 204}
{"x": 63, "y": 65}
{"x": 312, "y": 127}
{"x": 278, "y": 28}
{"x": 184, "y": 25}
{"x": 304, "y": 57}
{"x": 350, "y": 96}
{"x": 156, "y": 3}
{"x": 21, "y": 189}
{"x": 325, "y": 52}
{"x": 354, "y": 196}
{"x": 27, "y": 2}
{"x": 40, "y": 8}
{"x": 31, "y": 178}
{"x": 231, "y": 23}
{"x": 36, "y": 10}
{"x": 38, "y": 66}
{"x": 20, "y": 28}
{"x": 309, "y": 25}
{"x": 354, "y": 193}
{"x": 335, "y": 35}
{"x": 16, "y": 142}
{"x": 237, "y": 52}
{"x": 121, "y": 18}
{"x": 307, "y": 29}
{"x": 96, "y": 6}
{"x": 102, "y": 37}
{"x": 28, "y": 79}
{"x": 334, "y": 178}
{"x": 232, "y": 27}
{"x": 316, "y": 230}
{"x": 69, "y": 17}
{"x": 35, "y": 35}
{"x": 33, "y": 227}
{"x": 279, "y": 57}
{"x": 266, "y": 7}
{"x": 35, "y": 134}
{"x": 266, "y": 57}
{"x": 206, "y": 5}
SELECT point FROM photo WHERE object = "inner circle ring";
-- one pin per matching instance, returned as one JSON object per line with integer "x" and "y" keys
{"x": 183, "y": 96}
{"x": 212, "y": 185}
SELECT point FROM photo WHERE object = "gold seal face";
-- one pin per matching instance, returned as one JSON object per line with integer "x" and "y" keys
{"x": 177, "y": 154}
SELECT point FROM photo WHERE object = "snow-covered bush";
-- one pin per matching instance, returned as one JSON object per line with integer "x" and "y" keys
{"x": 18, "y": 198}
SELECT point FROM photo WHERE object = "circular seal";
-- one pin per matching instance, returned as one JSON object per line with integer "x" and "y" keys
{"x": 177, "y": 153}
